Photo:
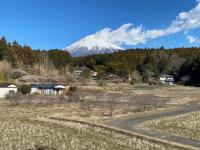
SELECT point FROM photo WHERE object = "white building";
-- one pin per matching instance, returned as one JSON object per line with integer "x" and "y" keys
{"x": 167, "y": 79}
{"x": 78, "y": 71}
{"x": 6, "y": 88}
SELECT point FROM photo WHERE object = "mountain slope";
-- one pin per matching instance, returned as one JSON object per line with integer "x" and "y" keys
{"x": 91, "y": 45}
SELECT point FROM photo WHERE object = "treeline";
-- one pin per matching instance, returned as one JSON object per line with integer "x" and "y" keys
{"x": 53, "y": 64}
{"x": 19, "y": 55}
{"x": 143, "y": 65}
{"x": 147, "y": 64}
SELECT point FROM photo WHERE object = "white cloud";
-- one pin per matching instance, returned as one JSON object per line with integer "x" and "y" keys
{"x": 193, "y": 40}
{"x": 130, "y": 34}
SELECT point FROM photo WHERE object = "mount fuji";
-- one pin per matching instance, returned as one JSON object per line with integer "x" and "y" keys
{"x": 91, "y": 45}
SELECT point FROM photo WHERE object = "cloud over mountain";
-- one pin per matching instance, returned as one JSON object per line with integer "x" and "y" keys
{"x": 129, "y": 34}
{"x": 109, "y": 41}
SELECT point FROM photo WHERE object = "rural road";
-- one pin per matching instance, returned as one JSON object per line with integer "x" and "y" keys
{"x": 131, "y": 124}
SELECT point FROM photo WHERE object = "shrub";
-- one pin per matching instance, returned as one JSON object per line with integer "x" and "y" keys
{"x": 14, "y": 97}
{"x": 25, "y": 89}
{"x": 133, "y": 81}
{"x": 71, "y": 90}
{"x": 1, "y": 77}
{"x": 86, "y": 73}
{"x": 152, "y": 82}
{"x": 101, "y": 83}
{"x": 5, "y": 70}
{"x": 18, "y": 73}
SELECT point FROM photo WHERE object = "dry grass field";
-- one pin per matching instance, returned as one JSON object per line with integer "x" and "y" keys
{"x": 178, "y": 95}
{"x": 187, "y": 125}
{"x": 21, "y": 129}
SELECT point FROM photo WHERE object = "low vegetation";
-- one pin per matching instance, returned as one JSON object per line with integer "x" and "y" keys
{"x": 25, "y": 89}
{"x": 14, "y": 98}
{"x": 21, "y": 133}
{"x": 187, "y": 125}
{"x": 25, "y": 123}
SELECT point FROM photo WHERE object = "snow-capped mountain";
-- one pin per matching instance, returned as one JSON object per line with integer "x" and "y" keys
{"x": 91, "y": 45}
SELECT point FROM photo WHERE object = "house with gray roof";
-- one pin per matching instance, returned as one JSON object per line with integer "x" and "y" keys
{"x": 48, "y": 89}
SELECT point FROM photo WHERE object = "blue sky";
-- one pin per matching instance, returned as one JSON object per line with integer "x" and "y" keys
{"x": 48, "y": 24}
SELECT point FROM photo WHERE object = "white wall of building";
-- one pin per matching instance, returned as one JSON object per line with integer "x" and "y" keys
{"x": 162, "y": 79}
{"x": 34, "y": 90}
{"x": 5, "y": 91}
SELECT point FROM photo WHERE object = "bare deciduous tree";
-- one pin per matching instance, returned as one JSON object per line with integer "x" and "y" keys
{"x": 86, "y": 107}
{"x": 82, "y": 96}
{"x": 130, "y": 98}
{"x": 114, "y": 99}
{"x": 14, "y": 97}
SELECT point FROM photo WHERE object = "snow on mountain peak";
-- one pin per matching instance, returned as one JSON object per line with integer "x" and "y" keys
{"x": 91, "y": 45}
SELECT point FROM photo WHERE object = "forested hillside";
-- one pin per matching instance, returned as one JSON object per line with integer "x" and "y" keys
{"x": 35, "y": 62}
{"x": 17, "y": 54}
{"x": 147, "y": 64}
{"x": 144, "y": 65}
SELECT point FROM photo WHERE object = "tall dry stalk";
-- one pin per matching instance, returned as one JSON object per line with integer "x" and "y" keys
{"x": 5, "y": 70}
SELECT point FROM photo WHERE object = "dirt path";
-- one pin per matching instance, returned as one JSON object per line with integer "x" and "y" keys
{"x": 131, "y": 124}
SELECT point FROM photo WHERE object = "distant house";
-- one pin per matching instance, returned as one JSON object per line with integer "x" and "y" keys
{"x": 167, "y": 79}
{"x": 78, "y": 72}
{"x": 47, "y": 89}
{"x": 6, "y": 88}
{"x": 93, "y": 75}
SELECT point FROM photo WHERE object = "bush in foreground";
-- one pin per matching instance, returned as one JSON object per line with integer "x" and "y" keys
{"x": 25, "y": 89}
{"x": 14, "y": 97}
